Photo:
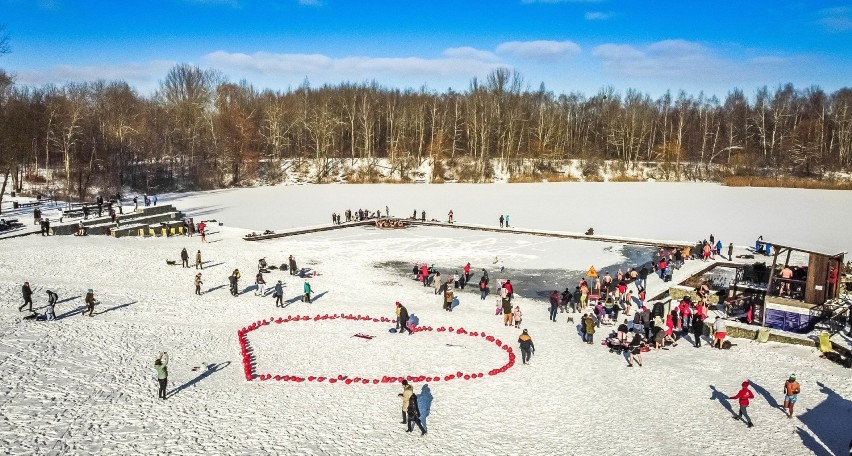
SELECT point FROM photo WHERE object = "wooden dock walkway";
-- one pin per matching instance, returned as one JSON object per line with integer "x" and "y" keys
{"x": 474, "y": 227}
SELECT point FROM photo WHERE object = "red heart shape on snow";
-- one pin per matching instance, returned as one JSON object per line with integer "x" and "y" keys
{"x": 480, "y": 337}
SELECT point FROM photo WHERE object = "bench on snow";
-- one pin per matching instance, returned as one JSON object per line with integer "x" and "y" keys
{"x": 10, "y": 224}
{"x": 18, "y": 205}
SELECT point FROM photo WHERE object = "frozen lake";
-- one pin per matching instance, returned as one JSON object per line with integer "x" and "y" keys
{"x": 677, "y": 211}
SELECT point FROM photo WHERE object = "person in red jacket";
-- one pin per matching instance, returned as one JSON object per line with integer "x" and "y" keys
{"x": 467, "y": 272}
{"x": 744, "y": 395}
{"x": 509, "y": 290}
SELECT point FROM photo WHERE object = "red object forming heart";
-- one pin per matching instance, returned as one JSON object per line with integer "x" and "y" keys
{"x": 248, "y": 368}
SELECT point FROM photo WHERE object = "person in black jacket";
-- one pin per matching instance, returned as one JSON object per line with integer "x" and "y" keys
{"x": 292, "y": 264}
{"x": 414, "y": 415}
{"x": 184, "y": 258}
{"x": 234, "y": 285}
{"x": 635, "y": 348}
{"x": 642, "y": 281}
{"x": 403, "y": 319}
{"x": 27, "y": 293}
{"x": 566, "y": 300}
{"x": 697, "y": 329}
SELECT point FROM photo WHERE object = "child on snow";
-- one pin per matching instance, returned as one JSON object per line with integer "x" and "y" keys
{"x": 516, "y": 315}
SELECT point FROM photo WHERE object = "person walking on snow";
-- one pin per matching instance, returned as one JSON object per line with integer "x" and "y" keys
{"x": 414, "y": 415}
{"x": 307, "y": 289}
{"x": 744, "y": 395}
{"x": 791, "y": 393}
{"x": 516, "y": 315}
{"x": 198, "y": 284}
{"x": 635, "y": 347}
{"x": 184, "y": 258}
{"x": 450, "y": 216}
{"x": 730, "y": 251}
{"x": 90, "y": 303}
{"x": 501, "y": 220}
{"x": 27, "y": 293}
{"x": 527, "y": 346}
{"x": 483, "y": 289}
{"x": 50, "y": 313}
{"x": 554, "y": 305}
{"x": 507, "y": 307}
{"x": 198, "y": 264}
{"x": 279, "y": 294}
{"x": 161, "y": 365}
{"x": 258, "y": 279}
{"x": 402, "y": 318}
{"x": 507, "y": 220}
{"x": 407, "y": 391}
{"x": 232, "y": 281}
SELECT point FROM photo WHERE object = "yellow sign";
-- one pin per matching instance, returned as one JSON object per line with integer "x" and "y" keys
{"x": 592, "y": 272}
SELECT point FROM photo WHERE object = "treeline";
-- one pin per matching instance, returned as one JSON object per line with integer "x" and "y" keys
{"x": 199, "y": 131}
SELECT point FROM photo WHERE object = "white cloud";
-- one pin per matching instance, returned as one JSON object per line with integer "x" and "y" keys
{"x": 456, "y": 62}
{"x": 142, "y": 75}
{"x": 609, "y": 52}
{"x": 599, "y": 16}
{"x": 836, "y": 19}
{"x": 468, "y": 52}
{"x": 667, "y": 58}
{"x": 539, "y": 50}
{"x": 686, "y": 62}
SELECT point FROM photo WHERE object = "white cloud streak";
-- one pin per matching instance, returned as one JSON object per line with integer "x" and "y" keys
{"x": 539, "y": 50}
{"x": 599, "y": 16}
{"x": 456, "y": 62}
{"x": 683, "y": 62}
{"x": 836, "y": 19}
{"x": 143, "y": 75}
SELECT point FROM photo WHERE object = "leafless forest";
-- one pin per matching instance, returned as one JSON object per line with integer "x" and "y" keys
{"x": 199, "y": 131}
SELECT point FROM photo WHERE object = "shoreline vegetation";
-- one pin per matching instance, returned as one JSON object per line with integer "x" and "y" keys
{"x": 787, "y": 182}
{"x": 199, "y": 131}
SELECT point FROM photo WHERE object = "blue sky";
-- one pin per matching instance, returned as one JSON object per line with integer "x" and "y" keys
{"x": 579, "y": 45}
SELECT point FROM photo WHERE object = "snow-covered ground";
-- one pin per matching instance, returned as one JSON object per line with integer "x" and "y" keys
{"x": 82, "y": 385}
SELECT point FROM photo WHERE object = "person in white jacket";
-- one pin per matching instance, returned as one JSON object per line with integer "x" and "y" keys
{"x": 516, "y": 315}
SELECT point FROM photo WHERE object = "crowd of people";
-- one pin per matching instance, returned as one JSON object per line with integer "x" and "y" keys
{"x": 599, "y": 299}
{"x": 359, "y": 215}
